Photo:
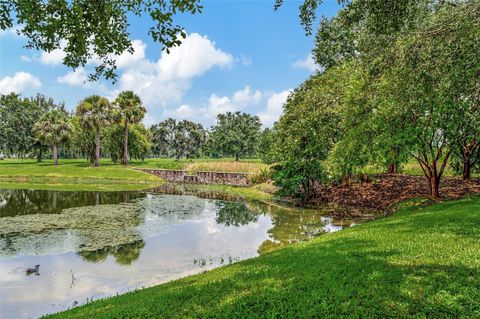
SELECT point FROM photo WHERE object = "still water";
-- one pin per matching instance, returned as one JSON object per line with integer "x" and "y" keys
{"x": 92, "y": 244}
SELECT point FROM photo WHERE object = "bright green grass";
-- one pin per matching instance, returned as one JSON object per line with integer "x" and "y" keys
{"x": 419, "y": 263}
{"x": 412, "y": 167}
{"x": 72, "y": 169}
{"x": 78, "y": 175}
{"x": 80, "y": 168}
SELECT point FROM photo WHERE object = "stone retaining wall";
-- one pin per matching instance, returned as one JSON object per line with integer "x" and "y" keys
{"x": 177, "y": 176}
{"x": 180, "y": 176}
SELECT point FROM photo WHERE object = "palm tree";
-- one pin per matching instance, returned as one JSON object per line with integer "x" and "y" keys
{"x": 94, "y": 112}
{"x": 53, "y": 128}
{"x": 129, "y": 110}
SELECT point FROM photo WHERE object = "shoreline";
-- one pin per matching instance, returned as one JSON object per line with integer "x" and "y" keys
{"x": 397, "y": 215}
{"x": 365, "y": 259}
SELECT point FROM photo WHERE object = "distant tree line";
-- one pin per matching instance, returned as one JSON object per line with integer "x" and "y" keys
{"x": 39, "y": 127}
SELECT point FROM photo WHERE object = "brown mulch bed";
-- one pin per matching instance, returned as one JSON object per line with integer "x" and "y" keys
{"x": 386, "y": 190}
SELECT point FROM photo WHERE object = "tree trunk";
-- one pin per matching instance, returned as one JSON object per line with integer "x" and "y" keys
{"x": 39, "y": 154}
{"x": 467, "y": 169}
{"x": 237, "y": 157}
{"x": 434, "y": 183}
{"x": 392, "y": 168}
{"x": 432, "y": 171}
{"x": 97, "y": 147}
{"x": 468, "y": 152}
{"x": 55, "y": 154}
{"x": 125, "y": 145}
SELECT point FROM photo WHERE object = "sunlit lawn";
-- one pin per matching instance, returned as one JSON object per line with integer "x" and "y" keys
{"x": 71, "y": 169}
{"x": 78, "y": 174}
{"x": 411, "y": 167}
{"x": 423, "y": 262}
{"x": 80, "y": 168}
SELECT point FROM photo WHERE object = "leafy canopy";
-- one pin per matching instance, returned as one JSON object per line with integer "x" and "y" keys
{"x": 306, "y": 132}
{"x": 236, "y": 134}
{"x": 129, "y": 108}
{"x": 87, "y": 29}
{"x": 53, "y": 128}
{"x": 94, "y": 112}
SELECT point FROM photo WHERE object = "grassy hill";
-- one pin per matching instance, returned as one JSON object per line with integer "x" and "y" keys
{"x": 422, "y": 262}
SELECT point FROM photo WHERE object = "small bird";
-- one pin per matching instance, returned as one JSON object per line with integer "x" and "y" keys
{"x": 33, "y": 270}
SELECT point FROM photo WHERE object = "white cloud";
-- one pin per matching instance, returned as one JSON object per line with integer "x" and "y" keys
{"x": 192, "y": 58}
{"x": 241, "y": 100}
{"x": 246, "y": 97}
{"x": 151, "y": 85}
{"x": 79, "y": 77}
{"x": 54, "y": 57}
{"x": 184, "y": 111}
{"x": 165, "y": 81}
{"x": 274, "y": 108}
{"x": 127, "y": 58}
{"x": 20, "y": 82}
{"x": 222, "y": 104}
{"x": 13, "y": 31}
{"x": 308, "y": 64}
{"x": 217, "y": 105}
{"x": 25, "y": 58}
{"x": 149, "y": 120}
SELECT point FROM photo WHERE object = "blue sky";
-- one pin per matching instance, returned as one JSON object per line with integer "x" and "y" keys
{"x": 238, "y": 55}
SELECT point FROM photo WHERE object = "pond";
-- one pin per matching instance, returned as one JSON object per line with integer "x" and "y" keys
{"x": 90, "y": 245}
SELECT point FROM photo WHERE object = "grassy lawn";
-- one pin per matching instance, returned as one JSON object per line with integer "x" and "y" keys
{"x": 423, "y": 262}
{"x": 79, "y": 175}
{"x": 79, "y": 168}
{"x": 71, "y": 169}
{"x": 410, "y": 168}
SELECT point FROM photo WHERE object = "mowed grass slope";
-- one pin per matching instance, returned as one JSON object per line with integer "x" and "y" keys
{"x": 77, "y": 175}
{"x": 71, "y": 169}
{"x": 81, "y": 168}
{"x": 422, "y": 262}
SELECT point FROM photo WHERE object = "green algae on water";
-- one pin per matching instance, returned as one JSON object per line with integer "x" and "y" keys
{"x": 77, "y": 229}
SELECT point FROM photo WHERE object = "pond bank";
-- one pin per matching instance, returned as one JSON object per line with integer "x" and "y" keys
{"x": 429, "y": 270}
{"x": 91, "y": 245}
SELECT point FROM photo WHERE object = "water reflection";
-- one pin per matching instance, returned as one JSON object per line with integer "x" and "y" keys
{"x": 14, "y": 202}
{"x": 143, "y": 240}
{"x": 194, "y": 190}
{"x": 235, "y": 214}
{"x": 124, "y": 254}
{"x": 292, "y": 225}
{"x": 95, "y": 232}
